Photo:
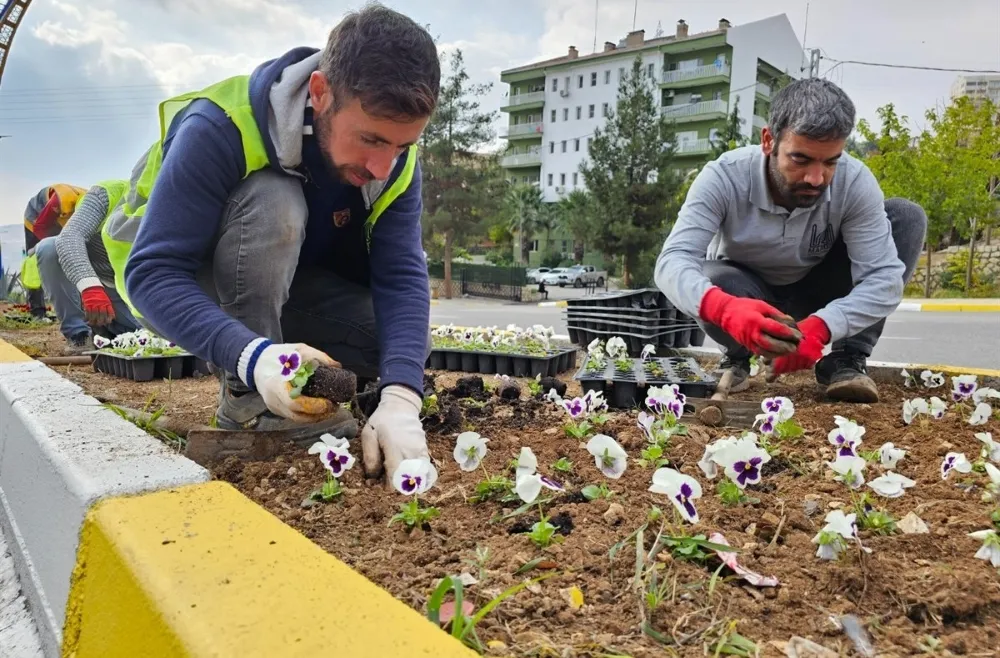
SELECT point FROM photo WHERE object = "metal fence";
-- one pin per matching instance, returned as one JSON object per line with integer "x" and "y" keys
{"x": 484, "y": 280}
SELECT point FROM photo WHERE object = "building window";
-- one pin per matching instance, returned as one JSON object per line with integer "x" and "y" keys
{"x": 533, "y": 246}
{"x": 565, "y": 114}
{"x": 564, "y": 146}
{"x": 550, "y": 180}
{"x": 574, "y": 185}
{"x": 589, "y": 142}
{"x": 590, "y": 112}
{"x": 607, "y": 76}
{"x": 562, "y": 179}
{"x": 555, "y": 84}
{"x": 552, "y": 147}
{"x": 579, "y": 81}
{"x": 566, "y": 84}
{"x": 579, "y": 112}
{"x": 621, "y": 74}
{"x": 650, "y": 69}
{"x": 553, "y": 116}
{"x": 576, "y": 146}
{"x": 604, "y": 109}
{"x": 593, "y": 79}
{"x": 717, "y": 95}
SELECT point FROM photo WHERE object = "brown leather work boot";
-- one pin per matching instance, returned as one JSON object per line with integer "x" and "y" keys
{"x": 845, "y": 375}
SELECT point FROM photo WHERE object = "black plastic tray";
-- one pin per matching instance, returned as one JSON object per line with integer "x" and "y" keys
{"x": 516, "y": 365}
{"x": 626, "y": 390}
{"x": 148, "y": 368}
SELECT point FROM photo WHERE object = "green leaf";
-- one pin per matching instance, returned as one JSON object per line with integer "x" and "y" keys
{"x": 591, "y": 492}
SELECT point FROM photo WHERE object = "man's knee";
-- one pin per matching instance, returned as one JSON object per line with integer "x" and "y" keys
{"x": 46, "y": 252}
{"x": 909, "y": 228}
{"x": 269, "y": 203}
{"x": 733, "y": 279}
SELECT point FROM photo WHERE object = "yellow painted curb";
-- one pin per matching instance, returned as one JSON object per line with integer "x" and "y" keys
{"x": 968, "y": 307}
{"x": 956, "y": 371}
{"x": 10, "y": 354}
{"x": 203, "y": 571}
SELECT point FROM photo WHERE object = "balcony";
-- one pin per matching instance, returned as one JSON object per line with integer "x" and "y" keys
{"x": 524, "y": 130}
{"x": 763, "y": 90}
{"x": 696, "y": 75}
{"x": 695, "y": 111}
{"x": 532, "y": 158}
{"x": 694, "y": 146}
{"x": 524, "y": 101}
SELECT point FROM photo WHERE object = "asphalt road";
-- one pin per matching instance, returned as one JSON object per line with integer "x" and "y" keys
{"x": 959, "y": 339}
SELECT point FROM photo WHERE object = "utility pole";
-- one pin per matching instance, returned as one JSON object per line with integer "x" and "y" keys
{"x": 814, "y": 63}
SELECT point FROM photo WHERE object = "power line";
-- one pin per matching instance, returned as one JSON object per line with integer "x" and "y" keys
{"x": 908, "y": 66}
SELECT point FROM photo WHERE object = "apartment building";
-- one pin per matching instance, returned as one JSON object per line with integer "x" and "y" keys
{"x": 977, "y": 87}
{"x": 554, "y": 106}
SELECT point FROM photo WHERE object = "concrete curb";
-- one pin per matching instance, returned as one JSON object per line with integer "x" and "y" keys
{"x": 886, "y": 371}
{"x": 955, "y": 307}
{"x": 60, "y": 452}
{"x": 123, "y": 548}
{"x": 562, "y": 303}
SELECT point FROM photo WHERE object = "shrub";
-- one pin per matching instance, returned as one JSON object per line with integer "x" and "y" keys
{"x": 953, "y": 276}
{"x": 552, "y": 259}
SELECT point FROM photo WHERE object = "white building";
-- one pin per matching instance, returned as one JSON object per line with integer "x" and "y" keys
{"x": 555, "y": 105}
{"x": 977, "y": 87}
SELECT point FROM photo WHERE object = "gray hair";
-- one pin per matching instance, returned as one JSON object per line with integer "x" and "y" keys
{"x": 814, "y": 108}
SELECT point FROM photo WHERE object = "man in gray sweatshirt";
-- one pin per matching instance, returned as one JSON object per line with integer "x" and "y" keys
{"x": 794, "y": 227}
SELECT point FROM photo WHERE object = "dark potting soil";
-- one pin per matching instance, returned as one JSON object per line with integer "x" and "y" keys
{"x": 335, "y": 384}
{"x": 549, "y": 383}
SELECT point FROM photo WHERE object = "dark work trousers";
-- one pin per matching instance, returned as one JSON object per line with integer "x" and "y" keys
{"x": 829, "y": 280}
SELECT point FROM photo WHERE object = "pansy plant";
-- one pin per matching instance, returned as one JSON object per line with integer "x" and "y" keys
{"x": 991, "y": 448}
{"x": 846, "y": 436}
{"x": 528, "y": 484}
{"x": 610, "y": 457}
{"x": 833, "y": 537}
{"x": 870, "y": 517}
{"x": 412, "y": 478}
{"x": 889, "y": 455}
{"x": 932, "y": 379}
{"x": 470, "y": 450}
{"x": 849, "y": 469}
{"x": 742, "y": 460}
{"x": 992, "y": 490}
{"x": 990, "y": 550}
{"x": 914, "y": 408}
{"x": 337, "y": 460}
{"x": 909, "y": 381}
{"x": 681, "y": 489}
{"x": 955, "y": 461}
{"x": 981, "y": 414}
{"x": 963, "y": 387}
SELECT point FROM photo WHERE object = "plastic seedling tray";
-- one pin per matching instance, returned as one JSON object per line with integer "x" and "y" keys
{"x": 148, "y": 368}
{"x": 517, "y": 365}
{"x": 627, "y": 389}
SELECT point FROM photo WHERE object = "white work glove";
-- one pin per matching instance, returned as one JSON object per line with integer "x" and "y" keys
{"x": 272, "y": 376}
{"x": 394, "y": 432}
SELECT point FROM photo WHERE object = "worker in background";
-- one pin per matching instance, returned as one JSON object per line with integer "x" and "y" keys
{"x": 794, "y": 226}
{"x": 77, "y": 275}
{"x": 280, "y": 213}
{"x": 47, "y": 212}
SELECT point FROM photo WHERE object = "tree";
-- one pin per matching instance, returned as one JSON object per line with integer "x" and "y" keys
{"x": 731, "y": 135}
{"x": 522, "y": 208}
{"x": 629, "y": 172}
{"x": 460, "y": 183}
{"x": 576, "y": 215}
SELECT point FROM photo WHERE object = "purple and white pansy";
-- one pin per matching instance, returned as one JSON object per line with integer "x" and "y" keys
{"x": 100, "y": 342}
{"x": 937, "y": 407}
{"x": 576, "y": 408}
{"x": 711, "y": 460}
{"x": 333, "y": 452}
{"x": 990, "y": 550}
{"x": 833, "y": 537}
{"x": 611, "y": 458}
{"x": 527, "y": 483}
{"x": 414, "y": 476}
{"x": 991, "y": 449}
{"x": 782, "y": 407}
{"x": 743, "y": 460}
{"x": 955, "y": 461}
{"x": 681, "y": 489}
{"x": 963, "y": 387}
{"x": 889, "y": 455}
{"x": 913, "y": 408}
{"x": 891, "y": 485}
{"x": 846, "y": 436}
{"x": 768, "y": 423}
{"x": 981, "y": 414}
{"x": 932, "y": 379}
{"x": 850, "y": 470}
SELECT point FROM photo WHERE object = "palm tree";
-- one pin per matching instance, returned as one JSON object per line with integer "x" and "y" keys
{"x": 523, "y": 207}
{"x": 576, "y": 213}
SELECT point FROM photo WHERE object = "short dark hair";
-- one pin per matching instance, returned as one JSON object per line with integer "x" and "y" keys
{"x": 814, "y": 108}
{"x": 385, "y": 60}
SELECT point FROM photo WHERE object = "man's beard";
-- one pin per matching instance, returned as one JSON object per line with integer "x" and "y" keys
{"x": 321, "y": 130}
{"x": 791, "y": 193}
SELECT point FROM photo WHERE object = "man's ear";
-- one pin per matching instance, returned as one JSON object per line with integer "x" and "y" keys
{"x": 767, "y": 141}
{"x": 320, "y": 92}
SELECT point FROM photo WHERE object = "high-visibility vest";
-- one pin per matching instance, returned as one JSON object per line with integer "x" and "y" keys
{"x": 233, "y": 97}
{"x": 31, "y": 278}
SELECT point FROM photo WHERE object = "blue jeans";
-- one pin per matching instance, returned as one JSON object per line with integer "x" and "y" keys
{"x": 66, "y": 298}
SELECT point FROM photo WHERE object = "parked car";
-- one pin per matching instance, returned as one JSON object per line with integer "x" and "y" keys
{"x": 534, "y": 275}
{"x": 557, "y": 276}
{"x": 580, "y": 275}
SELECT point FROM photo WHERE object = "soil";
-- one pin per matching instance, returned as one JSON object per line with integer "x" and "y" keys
{"x": 910, "y": 588}
{"x": 335, "y": 384}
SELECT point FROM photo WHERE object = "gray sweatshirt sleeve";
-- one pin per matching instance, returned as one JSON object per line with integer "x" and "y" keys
{"x": 71, "y": 244}
{"x": 875, "y": 266}
{"x": 680, "y": 263}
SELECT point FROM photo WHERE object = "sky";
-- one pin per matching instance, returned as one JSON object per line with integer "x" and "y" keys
{"x": 78, "y": 96}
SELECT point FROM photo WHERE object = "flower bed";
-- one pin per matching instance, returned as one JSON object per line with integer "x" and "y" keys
{"x": 863, "y": 519}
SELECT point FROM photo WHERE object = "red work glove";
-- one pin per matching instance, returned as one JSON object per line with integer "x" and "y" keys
{"x": 815, "y": 335}
{"x": 97, "y": 306}
{"x": 750, "y": 322}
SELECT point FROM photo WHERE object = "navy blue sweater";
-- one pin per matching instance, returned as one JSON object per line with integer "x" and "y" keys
{"x": 203, "y": 162}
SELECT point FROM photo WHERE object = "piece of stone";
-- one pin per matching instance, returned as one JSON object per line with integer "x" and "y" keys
{"x": 615, "y": 514}
{"x": 800, "y": 647}
{"x": 911, "y": 524}
{"x": 811, "y": 507}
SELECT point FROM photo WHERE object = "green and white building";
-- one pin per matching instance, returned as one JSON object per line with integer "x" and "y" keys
{"x": 555, "y": 105}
